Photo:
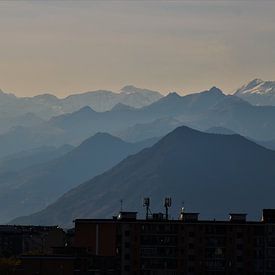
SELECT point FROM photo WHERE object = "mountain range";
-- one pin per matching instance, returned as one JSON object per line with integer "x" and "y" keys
{"x": 30, "y": 189}
{"x": 211, "y": 108}
{"x": 47, "y": 105}
{"x": 212, "y": 173}
{"x": 42, "y": 158}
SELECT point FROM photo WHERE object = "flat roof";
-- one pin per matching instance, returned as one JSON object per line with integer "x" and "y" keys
{"x": 168, "y": 221}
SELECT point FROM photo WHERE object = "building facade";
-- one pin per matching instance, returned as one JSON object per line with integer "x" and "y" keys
{"x": 186, "y": 246}
{"x": 158, "y": 245}
{"x": 16, "y": 240}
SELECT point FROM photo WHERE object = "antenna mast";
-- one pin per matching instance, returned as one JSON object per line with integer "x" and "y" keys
{"x": 167, "y": 205}
{"x": 146, "y": 203}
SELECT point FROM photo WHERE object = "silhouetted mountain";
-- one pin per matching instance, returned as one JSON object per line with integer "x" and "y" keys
{"x": 157, "y": 128}
{"x": 26, "y": 138}
{"x": 258, "y": 92}
{"x": 173, "y": 104}
{"x": 25, "y": 159}
{"x": 234, "y": 113}
{"x": 32, "y": 189}
{"x": 80, "y": 116}
{"x": 86, "y": 122}
{"x": 215, "y": 174}
{"x": 224, "y": 131}
{"x": 211, "y": 109}
{"x": 114, "y": 120}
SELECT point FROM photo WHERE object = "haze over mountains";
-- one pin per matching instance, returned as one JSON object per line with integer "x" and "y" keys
{"x": 59, "y": 145}
{"x": 30, "y": 111}
{"x": 211, "y": 108}
{"x": 100, "y": 101}
{"x": 33, "y": 188}
{"x": 25, "y": 159}
{"x": 212, "y": 173}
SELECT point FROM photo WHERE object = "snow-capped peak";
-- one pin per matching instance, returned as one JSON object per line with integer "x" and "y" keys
{"x": 257, "y": 86}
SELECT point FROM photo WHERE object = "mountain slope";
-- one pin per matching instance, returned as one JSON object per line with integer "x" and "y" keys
{"x": 220, "y": 131}
{"x": 157, "y": 128}
{"x": 213, "y": 174}
{"x": 25, "y": 159}
{"x": 258, "y": 92}
{"x": 34, "y": 188}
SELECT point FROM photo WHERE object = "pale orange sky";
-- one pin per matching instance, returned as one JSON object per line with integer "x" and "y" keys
{"x": 65, "y": 47}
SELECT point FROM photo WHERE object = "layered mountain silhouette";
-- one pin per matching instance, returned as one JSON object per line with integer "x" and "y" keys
{"x": 202, "y": 111}
{"x": 27, "y": 190}
{"x": 212, "y": 173}
{"x": 47, "y": 105}
{"x": 258, "y": 92}
{"x": 157, "y": 128}
{"x": 102, "y": 101}
{"x": 270, "y": 144}
{"x": 25, "y": 159}
{"x": 32, "y": 111}
{"x": 7, "y": 122}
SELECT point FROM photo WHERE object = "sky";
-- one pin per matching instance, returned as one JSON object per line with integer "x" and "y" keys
{"x": 65, "y": 47}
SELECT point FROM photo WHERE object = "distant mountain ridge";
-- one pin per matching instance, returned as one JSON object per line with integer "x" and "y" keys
{"x": 47, "y": 105}
{"x": 27, "y": 190}
{"x": 157, "y": 128}
{"x": 258, "y": 92}
{"x": 201, "y": 111}
{"x": 25, "y": 159}
{"x": 212, "y": 173}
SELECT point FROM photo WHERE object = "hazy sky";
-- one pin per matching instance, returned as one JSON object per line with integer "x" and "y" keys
{"x": 64, "y": 47}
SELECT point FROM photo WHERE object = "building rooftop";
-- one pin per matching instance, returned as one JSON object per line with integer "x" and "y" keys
{"x": 268, "y": 216}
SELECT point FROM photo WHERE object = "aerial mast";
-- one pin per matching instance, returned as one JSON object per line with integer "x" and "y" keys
{"x": 167, "y": 205}
{"x": 146, "y": 203}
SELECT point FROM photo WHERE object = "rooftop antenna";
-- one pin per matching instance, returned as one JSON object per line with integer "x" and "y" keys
{"x": 167, "y": 205}
{"x": 146, "y": 203}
